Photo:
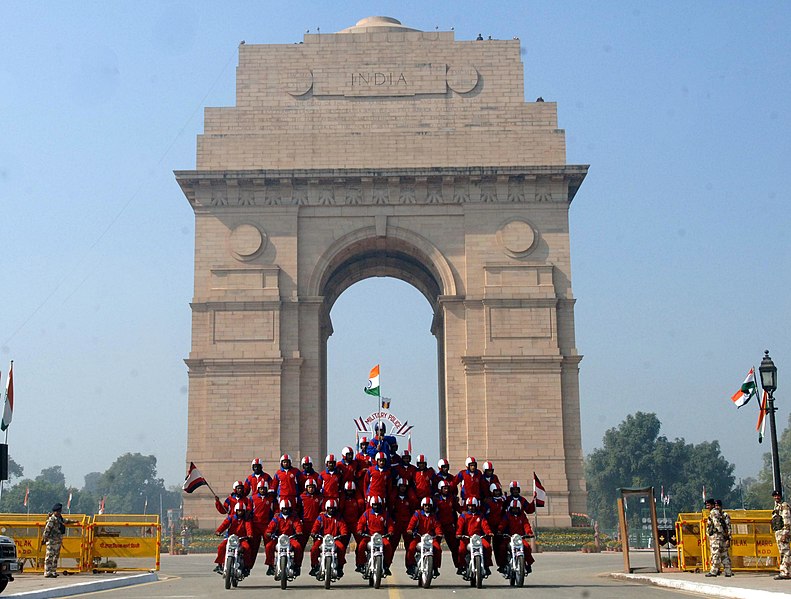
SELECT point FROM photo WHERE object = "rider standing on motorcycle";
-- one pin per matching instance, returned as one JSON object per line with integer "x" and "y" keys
{"x": 447, "y": 507}
{"x": 329, "y": 523}
{"x": 424, "y": 522}
{"x": 406, "y": 470}
{"x": 256, "y": 478}
{"x": 424, "y": 478}
{"x": 443, "y": 473}
{"x": 310, "y": 506}
{"x": 237, "y": 524}
{"x": 307, "y": 471}
{"x": 284, "y": 523}
{"x": 352, "y": 507}
{"x": 287, "y": 480}
{"x": 375, "y": 519}
{"x": 515, "y": 522}
{"x": 402, "y": 508}
{"x": 472, "y": 523}
{"x": 528, "y": 507}
{"x": 470, "y": 480}
{"x": 380, "y": 443}
{"x": 331, "y": 479}
{"x": 263, "y": 507}
{"x": 237, "y": 496}
{"x": 494, "y": 508}
{"x": 489, "y": 478}
{"x": 378, "y": 479}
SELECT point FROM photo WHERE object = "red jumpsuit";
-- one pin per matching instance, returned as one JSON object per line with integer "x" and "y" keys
{"x": 329, "y": 525}
{"x": 516, "y": 525}
{"x": 240, "y": 527}
{"x": 251, "y": 483}
{"x": 407, "y": 472}
{"x": 473, "y": 524}
{"x": 262, "y": 514}
{"x": 401, "y": 509}
{"x": 363, "y": 463}
{"x": 449, "y": 479}
{"x": 368, "y": 524}
{"x": 310, "y": 506}
{"x": 528, "y": 507}
{"x": 379, "y": 482}
{"x": 422, "y": 523}
{"x": 494, "y": 508}
{"x": 424, "y": 482}
{"x": 447, "y": 509}
{"x": 471, "y": 484}
{"x": 286, "y": 483}
{"x": 331, "y": 484}
{"x": 227, "y": 506}
{"x": 488, "y": 481}
{"x": 283, "y": 525}
{"x": 350, "y": 511}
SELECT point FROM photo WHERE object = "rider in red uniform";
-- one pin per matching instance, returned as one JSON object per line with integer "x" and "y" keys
{"x": 489, "y": 477}
{"x": 406, "y": 470}
{"x": 236, "y": 496}
{"x": 261, "y": 515}
{"x": 331, "y": 479}
{"x": 472, "y": 523}
{"x": 284, "y": 523}
{"x": 528, "y": 507}
{"x": 286, "y": 482}
{"x": 423, "y": 522}
{"x": 256, "y": 478}
{"x": 373, "y": 520}
{"x": 307, "y": 471}
{"x": 329, "y": 523}
{"x": 515, "y": 522}
{"x": 402, "y": 508}
{"x": 447, "y": 506}
{"x": 378, "y": 479}
{"x": 310, "y": 506}
{"x": 352, "y": 507}
{"x": 494, "y": 507}
{"x": 470, "y": 480}
{"x": 237, "y": 524}
{"x": 424, "y": 478}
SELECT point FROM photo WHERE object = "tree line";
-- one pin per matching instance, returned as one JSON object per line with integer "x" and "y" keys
{"x": 635, "y": 454}
{"x": 129, "y": 486}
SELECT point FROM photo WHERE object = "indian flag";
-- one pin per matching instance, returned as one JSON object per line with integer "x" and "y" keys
{"x": 372, "y": 388}
{"x": 761, "y": 426}
{"x": 746, "y": 391}
{"x": 8, "y": 408}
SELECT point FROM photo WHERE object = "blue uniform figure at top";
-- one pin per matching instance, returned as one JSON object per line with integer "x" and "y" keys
{"x": 380, "y": 442}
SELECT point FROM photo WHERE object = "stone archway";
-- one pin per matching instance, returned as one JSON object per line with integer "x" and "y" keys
{"x": 428, "y": 167}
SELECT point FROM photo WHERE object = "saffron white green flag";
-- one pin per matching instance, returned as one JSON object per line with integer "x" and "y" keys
{"x": 372, "y": 388}
{"x": 8, "y": 409}
{"x": 746, "y": 391}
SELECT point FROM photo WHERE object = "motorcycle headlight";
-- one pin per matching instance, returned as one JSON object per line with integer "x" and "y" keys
{"x": 516, "y": 540}
{"x": 426, "y": 540}
{"x": 376, "y": 539}
{"x": 328, "y": 542}
{"x": 476, "y": 541}
{"x": 283, "y": 541}
{"x": 233, "y": 542}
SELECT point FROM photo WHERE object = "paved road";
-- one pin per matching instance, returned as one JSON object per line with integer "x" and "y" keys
{"x": 572, "y": 575}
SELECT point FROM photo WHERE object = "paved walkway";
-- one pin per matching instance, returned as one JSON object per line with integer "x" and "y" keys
{"x": 742, "y": 585}
{"x": 35, "y": 586}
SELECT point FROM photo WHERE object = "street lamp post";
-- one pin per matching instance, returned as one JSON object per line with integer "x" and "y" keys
{"x": 769, "y": 383}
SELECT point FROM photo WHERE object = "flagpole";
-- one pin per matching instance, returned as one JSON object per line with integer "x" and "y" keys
{"x": 6, "y": 436}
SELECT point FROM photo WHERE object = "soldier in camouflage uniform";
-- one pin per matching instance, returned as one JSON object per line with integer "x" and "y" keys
{"x": 718, "y": 533}
{"x": 53, "y": 537}
{"x": 781, "y": 525}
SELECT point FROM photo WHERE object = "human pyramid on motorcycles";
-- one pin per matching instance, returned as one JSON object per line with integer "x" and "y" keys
{"x": 377, "y": 496}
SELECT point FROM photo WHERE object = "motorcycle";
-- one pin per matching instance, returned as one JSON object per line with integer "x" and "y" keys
{"x": 328, "y": 566}
{"x": 515, "y": 568}
{"x": 424, "y": 570}
{"x": 475, "y": 572}
{"x": 234, "y": 569}
{"x": 285, "y": 570}
{"x": 374, "y": 564}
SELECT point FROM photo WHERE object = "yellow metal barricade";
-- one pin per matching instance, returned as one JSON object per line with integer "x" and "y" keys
{"x": 752, "y": 548}
{"x": 27, "y": 530}
{"x": 125, "y": 542}
{"x": 688, "y": 542}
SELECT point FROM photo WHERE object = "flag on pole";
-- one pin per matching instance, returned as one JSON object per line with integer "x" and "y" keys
{"x": 68, "y": 502}
{"x": 539, "y": 493}
{"x": 664, "y": 498}
{"x": 761, "y": 426}
{"x": 409, "y": 444}
{"x": 746, "y": 391}
{"x": 194, "y": 479}
{"x": 704, "y": 493}
{"x": 372, "y": 388}
{"x": 101, "y": 505}
{"x": 8, "y": 408}
{"x": 27, "y": 496}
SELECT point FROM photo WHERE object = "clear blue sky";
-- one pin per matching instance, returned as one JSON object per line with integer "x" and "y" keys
{"x": 680, "y": 248}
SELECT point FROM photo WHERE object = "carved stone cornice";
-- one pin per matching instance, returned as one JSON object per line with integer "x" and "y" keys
{"x": 407, "y": 186}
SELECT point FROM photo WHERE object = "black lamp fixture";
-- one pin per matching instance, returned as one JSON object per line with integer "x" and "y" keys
{"x": 768, "y": 372}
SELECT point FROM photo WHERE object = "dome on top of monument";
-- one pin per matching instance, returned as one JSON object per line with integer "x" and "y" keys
{"x": 373, "y": 24}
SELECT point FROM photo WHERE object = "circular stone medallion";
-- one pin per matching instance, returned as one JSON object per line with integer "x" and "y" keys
{"x": 299, "y": 82}
{"x": 246, "y": 242}
{"x": 517, "y": 238}
{"x": 462, "y": 79}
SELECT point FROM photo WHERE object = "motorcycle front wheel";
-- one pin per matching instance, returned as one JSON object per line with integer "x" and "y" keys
{"x": 228, "y": 571}
{"x": 376, "y": 575}
{"x": 478, "y": 572}
{"x": 425, "y": 577}
{"x": 283, "y": 572}
{"x": 328, "y": 571}
{"x": 519, "y": 575}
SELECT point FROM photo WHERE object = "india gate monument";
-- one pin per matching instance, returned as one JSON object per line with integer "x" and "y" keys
{"x": 383, "y": 150}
